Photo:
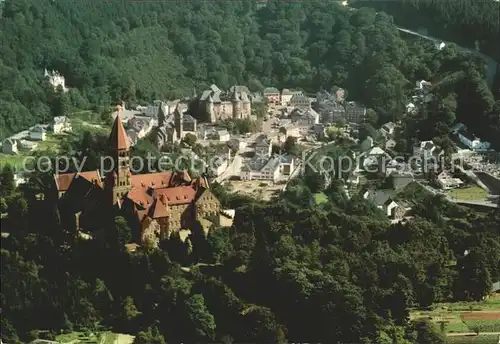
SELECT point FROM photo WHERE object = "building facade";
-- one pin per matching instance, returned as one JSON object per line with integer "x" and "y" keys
{"x": 220, "y": 105}
{"x": 155, "y": 204}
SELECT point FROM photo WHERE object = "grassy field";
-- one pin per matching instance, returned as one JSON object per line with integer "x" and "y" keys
{"x": 472, "y": 193}
{"x": 463, "y": 317}
{"x": 16, "y": 161}
{"x": 481, "y": 339}
{"x": 109, "y": 337}
{"x": 320, "y": 198}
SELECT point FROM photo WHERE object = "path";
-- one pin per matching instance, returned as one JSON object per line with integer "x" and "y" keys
{"x": 472, "y": 334}
{"x": 492, "y": 64}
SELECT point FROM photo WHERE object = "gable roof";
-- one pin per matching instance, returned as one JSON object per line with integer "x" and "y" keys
{"x": 176, "y": 195}
{"x": 64, "y": 180}
{"x": 118, "y": 137}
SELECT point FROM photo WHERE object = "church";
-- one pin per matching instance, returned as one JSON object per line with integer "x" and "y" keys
{"x": 155, "y": 204}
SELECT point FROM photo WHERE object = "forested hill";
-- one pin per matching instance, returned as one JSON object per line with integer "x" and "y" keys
{"x": 111, "y": 50}
{"x": 141, "y": 51}
{"x": 471, "y": 23}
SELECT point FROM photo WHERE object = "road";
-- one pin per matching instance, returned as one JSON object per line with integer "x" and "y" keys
{"x": 492, "y": 64}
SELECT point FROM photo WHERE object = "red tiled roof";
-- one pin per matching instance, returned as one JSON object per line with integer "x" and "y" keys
{"x": 118, "y": 139}
{"x": 177, "y": 195}
{"x": 159, "y": 208}
{"x": 154, "y": 180}
{"x": 159, "y": 180}
{"x": 63, "y": 181}
{"x": 140, "y": 197}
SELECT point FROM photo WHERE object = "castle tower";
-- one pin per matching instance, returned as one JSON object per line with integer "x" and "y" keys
{"x": 178, "y": 120}
{"x": 247, "y": 108}
{"x": 236, "y": 104}
{"x": 161, "y": 115}
{"x": 209, "y": 107}
{"x": 118, "y": 180}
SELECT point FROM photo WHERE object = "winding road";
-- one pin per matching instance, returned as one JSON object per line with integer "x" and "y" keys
{"x": 492, "y": 64}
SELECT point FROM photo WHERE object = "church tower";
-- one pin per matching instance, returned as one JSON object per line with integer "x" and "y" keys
{"x": 118, "y": 181}
{"x": 209, "y": 108}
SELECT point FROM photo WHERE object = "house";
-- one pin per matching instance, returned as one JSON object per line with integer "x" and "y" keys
{"x": 286, "y": 165}
{"x": 61, "y": 124}
{"x": 227, "y": 217}
{"x": 141, "y": 125}
{"x": 319, "y": 130}
{"x": 154, "y": 204}
{"x": 388, "y": 129}
{"x": 9, "y": 146}
{"x": 330, "y": 106}
{"x": 56, "y": 80}
{"x": 373, "y": 160}
{"x": 288, "y": 130}
{"x": 287, "y": 95}
{"x": 427, "y": 150}
{"x": 390, "y": 144}
{"x": 399, "y": 180}
{"x": 236, "y": 144}
{"x": 448, "y": 182}
{"x": 472, "y": 142}
{"x": 355, "y": 113}
{"x": 220, "y": 105}
{"x": 300, "y": 101}
{"x": 38, "y": 133}
{"x": 367, "y": 144}
{"x": 271, "y": 169}
{"x": 218, "y": 166}
{"x": 263, "y": 146}
{"x": 27, "y": 145}
{"x": 385, "y": 202}
{"x": 272, "y": 95}
{"x": 222, "y": 135}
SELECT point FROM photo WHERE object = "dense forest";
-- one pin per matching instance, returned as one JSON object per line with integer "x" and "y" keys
{"x": 470, "y": 23}
{"x": 141, "y": 51}
{"x": 289, "y": 269}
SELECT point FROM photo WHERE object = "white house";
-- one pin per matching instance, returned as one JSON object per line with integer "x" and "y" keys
{"x": 222, "y": 135}
{"x": 472, "y": 142}
{"x": 60, "y": 124}
{"x": 384, "y": 202}
{"x": 9, "y": 146}
{"x": 388, "y": 129}
{"x": 27, "y": 145}
{"x": 56, "y": 79}
{"x": 38, "y": 133}
{"x": 447, "y": 182}
{"x": 271, "y": 169}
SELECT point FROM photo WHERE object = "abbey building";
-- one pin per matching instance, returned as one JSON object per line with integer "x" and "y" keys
{"x": 155, "y": 204}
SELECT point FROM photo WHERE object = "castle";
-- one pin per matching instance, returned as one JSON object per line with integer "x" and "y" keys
{"x": 219, "y": 105}
{"x": 173, "y": 127}
{"x": 154, "y": 204}
{"x": 56, "y": 79}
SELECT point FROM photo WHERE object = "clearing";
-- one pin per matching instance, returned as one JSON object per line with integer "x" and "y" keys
{"x": 256, "y": 188}
{"x": 472, "y": 193}
{"x": 463, "y": 318}
{"x": 320, "y": 197}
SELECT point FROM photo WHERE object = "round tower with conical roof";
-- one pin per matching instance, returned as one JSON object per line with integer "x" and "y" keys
{"x": 209, "y": 108}
{"x": 236, "y": 104}
{"x": 247, "y": 108}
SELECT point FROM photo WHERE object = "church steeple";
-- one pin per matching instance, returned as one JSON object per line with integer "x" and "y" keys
{"x": 118, "y": 181}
